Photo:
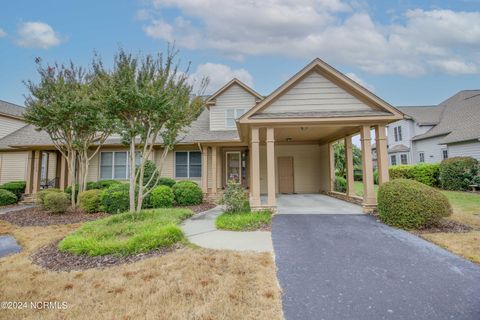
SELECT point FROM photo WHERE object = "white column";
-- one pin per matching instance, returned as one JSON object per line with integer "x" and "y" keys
{"x": 369, "y": 199}
{"x": 255, "y": 168}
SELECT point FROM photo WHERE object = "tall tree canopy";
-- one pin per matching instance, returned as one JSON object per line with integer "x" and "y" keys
{"x": 339, "y": 154}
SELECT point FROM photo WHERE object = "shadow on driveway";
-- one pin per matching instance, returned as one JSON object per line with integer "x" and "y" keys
{"x": 353, "y": 267}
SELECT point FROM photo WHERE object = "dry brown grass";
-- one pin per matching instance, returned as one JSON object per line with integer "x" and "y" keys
{"x": 186, "y": 284}
{"x": 464, "y": 244}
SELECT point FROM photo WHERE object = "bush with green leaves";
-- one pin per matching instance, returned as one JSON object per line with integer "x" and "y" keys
{"x": 150, "y": 174}
{"x": 102, "y": 184}
{"x": 56, "y": 202}
{"x": 340, "y": 184}
{"x": 68, "y": 190}
{"x": 187, "y": 193}
{"x": 115, "y": 199}
{"x": 162, "y": 197}
{"x": 89, "y": 200}
{"x": 7, "y": 197}
{"x": 409, "y": 204}
{"x": 164, "y": 181}
{"x": 458, "y": 173}
{"x": 235, "y": 198}
{"x": 40, "y": 197}
{"x": 426, "y": 173}
{"x": 16, "y": 187}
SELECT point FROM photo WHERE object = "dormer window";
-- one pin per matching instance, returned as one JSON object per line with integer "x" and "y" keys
{"x": 231, "y": 115}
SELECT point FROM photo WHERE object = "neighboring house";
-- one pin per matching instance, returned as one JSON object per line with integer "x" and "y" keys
{"x": 433, "y": 133}
{"x": 13, "y": 163}
{"x": 281, "y": 143}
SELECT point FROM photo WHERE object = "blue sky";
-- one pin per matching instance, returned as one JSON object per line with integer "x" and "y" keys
{"x": 407, "y": 52}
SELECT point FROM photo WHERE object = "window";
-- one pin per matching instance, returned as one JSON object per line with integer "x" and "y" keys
{"x": 188, "y": 164}
{"x": 422, "y": 157}
{"x": 393, "y": 160}
{"x": 114, "y": 165}
{"x": 403, "y": 159}
{"x": 397, "y": 132}
{"x": 231, "y": 115}
{"x": 445, "y": 154}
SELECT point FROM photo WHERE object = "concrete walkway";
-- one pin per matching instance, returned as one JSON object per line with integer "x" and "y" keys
{"x": 314, "y": 204}
{"x": 201, "y": 230}
{"x": 16, "y": 208}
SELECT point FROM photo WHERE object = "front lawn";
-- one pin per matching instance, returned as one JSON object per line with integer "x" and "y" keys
{"x": 127, "y": 233}
{"x": 244, "y": 221}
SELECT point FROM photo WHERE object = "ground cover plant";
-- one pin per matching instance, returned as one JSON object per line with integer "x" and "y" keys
{"x": 244, "y": 221}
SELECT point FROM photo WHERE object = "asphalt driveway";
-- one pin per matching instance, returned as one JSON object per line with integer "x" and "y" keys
{"x": 353, "y": 267}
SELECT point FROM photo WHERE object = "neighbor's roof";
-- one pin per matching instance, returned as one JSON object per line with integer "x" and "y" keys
{"x": 399, "y": 148}
{"x": 423, "y": 115}
{"x": 199, "y": 131}
{"x": 11, "y": 109}
{"x": 459, "y": 119}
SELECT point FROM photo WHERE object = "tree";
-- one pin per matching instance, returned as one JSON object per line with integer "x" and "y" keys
{"x": 63, "y": 104}
{"x": 150, "y": 99}
{"x": 339, "y": 154}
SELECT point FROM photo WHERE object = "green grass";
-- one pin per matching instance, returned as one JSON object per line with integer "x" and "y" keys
{"x": 464, "y": 201}
{"x": 127, "y": 233}
{"x": 358, "y": 187}
{"x": 245, "y": 221}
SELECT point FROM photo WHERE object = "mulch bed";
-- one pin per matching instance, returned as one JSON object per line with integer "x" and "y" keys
{"x": 49, "y": 257}
{"x": 37, "y": 217}
{"x": 265, "y": 227}
{"x": 447, "y": 226}
{"x": 200, "y": 208}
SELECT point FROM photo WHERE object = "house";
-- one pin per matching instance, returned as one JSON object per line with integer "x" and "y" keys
{"x": 281, "y": 143}
{"x": 433, "y": 133}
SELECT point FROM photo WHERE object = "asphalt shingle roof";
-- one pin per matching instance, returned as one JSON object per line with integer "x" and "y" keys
{"x": 11, "y": 109}
{"x": 423, "y": 115}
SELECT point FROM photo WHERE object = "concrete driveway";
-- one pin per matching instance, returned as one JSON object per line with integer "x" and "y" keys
{"x": 314, "y": 204}
{"x": 353, "y": 267}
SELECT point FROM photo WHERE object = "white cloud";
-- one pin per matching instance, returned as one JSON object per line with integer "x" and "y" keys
{"x": 360, "y": 81}
{"x": 421, "y": 41}
{"x": 2, "y": 33}
{"x": 219, "y": 74}
{"x": 37, "y": 35}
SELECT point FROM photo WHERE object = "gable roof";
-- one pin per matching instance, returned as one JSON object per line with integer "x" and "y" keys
{"x": 333, "y": 75}
{"x": 211, "y": 100}
{"x": 11, "y": 110}
{"x": 459, "y": 118}
{"x": 423, "y": 115}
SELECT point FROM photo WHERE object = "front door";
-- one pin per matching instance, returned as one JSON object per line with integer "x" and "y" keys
{"x": 285, "y": 175}
{"x": 234, "y": 166}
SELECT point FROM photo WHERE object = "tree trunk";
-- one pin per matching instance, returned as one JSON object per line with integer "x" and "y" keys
{"x": 131, "y": 191}
{"x": 140, "y": 183}
{"x": 71, "y": 175}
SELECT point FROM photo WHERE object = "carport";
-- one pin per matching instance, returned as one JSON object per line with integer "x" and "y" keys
{"x": 314, "y": 204}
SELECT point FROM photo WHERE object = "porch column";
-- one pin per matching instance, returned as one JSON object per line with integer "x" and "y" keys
{"x": 63, "y": 172}
{"x": 214, "y": 170}
{"x": 382, "y": 157}
{"x": 255, "y": 168}
{"x": 271, "y": 167}
{"x": 369, "y": 200}
{"x": 29, "y": 176}
{"x": 331, "y": 167}
{"x": 205, "y": 169}
{"x": 37, "y": 171}
{"x": 349, "y": 165}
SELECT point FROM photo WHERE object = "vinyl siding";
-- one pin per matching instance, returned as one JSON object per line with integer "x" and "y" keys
{"x": 310, "y": 165}
{"x": 52, "y": 165}
{"x": 9, "y": 125}
{"x": 13, "y": 166}
{"x": 465, "y": 149}
{"x": 232, "y": 98}
{"x": 431, "y": 148}
{"x": 316, "y": 93}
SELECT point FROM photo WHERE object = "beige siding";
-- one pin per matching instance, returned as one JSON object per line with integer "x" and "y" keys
{"x": 233, "y": 97}
{"x": 168, "y": 169}
{"x": 94, "y": 168}
{"x": 52, "y": 165}
{"x": 13, "y": 166}
{"x": 9, "y": 125}
{"x": 309, "y": 165}
{"x": 316, "y": 93}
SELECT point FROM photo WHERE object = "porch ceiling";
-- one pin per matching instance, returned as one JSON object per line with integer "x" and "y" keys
{"x": 310, "y": 133}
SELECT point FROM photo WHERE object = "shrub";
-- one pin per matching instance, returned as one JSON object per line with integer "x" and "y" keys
{"x": 68, "y": 190}
{"x": 89, "y": 200}
{"x": 340, "y": 184}
{"x": 102, "y": 184}
{"x": 458, "y": 173}
{"x": 150, "y": 172}
{"x": 56, "y": 202}
{"x": 187, "y": 193}
{"x": 162, "y": 197}
{"x": 16, "y": 187}
{"x": 375, "y": 177}
{"x": 235, "y": 198}
{"x": 7, "y": 197}
{"x": 357, "y": 175}
{"x": 115, "y": 199}
{"x": 426, "y": 173}
{"x": 164, "y": 181}
{"x": 410, "y": 204}
{"x": 40, "y": 198}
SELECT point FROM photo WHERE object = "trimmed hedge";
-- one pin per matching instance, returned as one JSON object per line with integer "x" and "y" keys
{"x": 458, "y": 173}
{"x": 89, "y": 200}
{"x": 340, "y": 184}
{"x": 102, "y": 184}
{"x": 16, "y": 187}
{"x": 164, "y": 181}
{"x": 409, "y": 204}
{"x": 115, "y": 199}
{"x": 40, "y": 198}
{"x": 7, "y": 197}
{"x": 426, "y": 173}
{"x": 56, "y": 202}
{"x": 162, "y": 197}
{"x": 187, "y": 193}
